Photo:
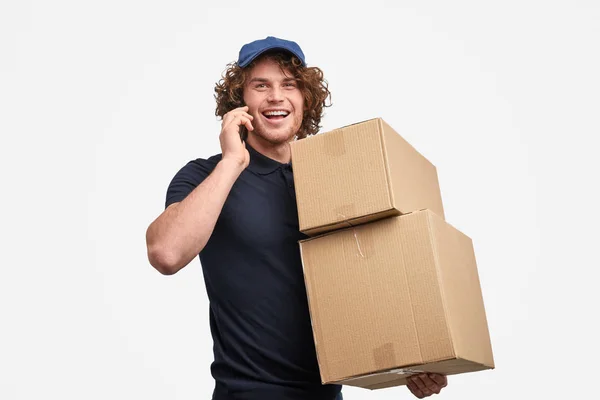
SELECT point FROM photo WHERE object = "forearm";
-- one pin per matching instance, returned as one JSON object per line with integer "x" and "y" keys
{"x": 177, "y": 236}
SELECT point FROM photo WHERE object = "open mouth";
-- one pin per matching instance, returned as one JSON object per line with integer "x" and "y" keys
{"x": 276, "y": 115}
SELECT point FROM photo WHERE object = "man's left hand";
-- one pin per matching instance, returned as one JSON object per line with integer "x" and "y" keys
{"x": 423, "y": 385}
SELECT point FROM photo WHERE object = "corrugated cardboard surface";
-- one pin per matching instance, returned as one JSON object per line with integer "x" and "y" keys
{"x": 411, "y": 172}
{"x": 382, "y": 297}
{"x": 462, "y": 292}
{"x": 360, "y": 173}
{"x": 339, "y": 176}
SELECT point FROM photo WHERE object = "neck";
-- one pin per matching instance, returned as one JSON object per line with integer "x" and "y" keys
{"x": 277, "y": 151}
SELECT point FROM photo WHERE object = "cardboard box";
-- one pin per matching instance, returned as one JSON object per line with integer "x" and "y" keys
{"x": 360, "y": 173}
{"x": 394, "y": 297}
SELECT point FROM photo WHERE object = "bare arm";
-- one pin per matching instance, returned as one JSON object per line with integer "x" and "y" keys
{"x": 180, "y": 233}
{"x": 177, "y": 236}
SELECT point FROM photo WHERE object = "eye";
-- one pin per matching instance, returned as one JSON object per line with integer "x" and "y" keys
{"x": 290, "y": 84}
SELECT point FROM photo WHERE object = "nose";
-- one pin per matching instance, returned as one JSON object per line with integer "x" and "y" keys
{"x": 275, "y": 95}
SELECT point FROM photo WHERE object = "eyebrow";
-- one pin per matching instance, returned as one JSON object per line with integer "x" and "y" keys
{"x": 263, "y": 80}
{"x": 258, "y": 80}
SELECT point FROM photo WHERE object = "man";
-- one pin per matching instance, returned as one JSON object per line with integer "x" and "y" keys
{"x": 237, "y": 211}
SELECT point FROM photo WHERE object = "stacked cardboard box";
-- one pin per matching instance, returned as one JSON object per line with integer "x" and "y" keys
{"x": 393, "y": 288}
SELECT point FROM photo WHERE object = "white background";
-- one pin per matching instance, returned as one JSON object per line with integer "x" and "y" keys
{"x": 102, "y": 102}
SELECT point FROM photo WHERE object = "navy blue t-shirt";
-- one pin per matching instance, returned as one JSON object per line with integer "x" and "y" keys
{"x": 259, "y": 317}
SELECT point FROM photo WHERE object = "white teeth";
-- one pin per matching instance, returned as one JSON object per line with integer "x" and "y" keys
{"x": 284, "y": 113}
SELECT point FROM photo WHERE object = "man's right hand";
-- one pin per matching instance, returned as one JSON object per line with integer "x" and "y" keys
{"x": 232, "y": 147}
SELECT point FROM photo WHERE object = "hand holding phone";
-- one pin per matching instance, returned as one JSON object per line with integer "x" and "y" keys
{"x": 234, "y": 132}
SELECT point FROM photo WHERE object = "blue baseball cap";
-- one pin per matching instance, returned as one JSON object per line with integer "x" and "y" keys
{"x": 250, "y": 51}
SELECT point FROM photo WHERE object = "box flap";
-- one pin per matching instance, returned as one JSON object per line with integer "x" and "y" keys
{"x": 410, "y": 171}
{"x": 463, "y": 301}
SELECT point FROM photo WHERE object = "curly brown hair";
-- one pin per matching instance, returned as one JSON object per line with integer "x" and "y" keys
{"x": 229, "y": 90}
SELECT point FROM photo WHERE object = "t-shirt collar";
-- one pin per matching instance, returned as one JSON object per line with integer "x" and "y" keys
{"x": 261, "y": 164}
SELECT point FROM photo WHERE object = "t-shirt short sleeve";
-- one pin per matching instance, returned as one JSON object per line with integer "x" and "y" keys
{"x": 187, "y": 179}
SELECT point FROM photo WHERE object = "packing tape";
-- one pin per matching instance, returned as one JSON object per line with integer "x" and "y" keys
{"x": 345, "y": 212}
{"x": 406, "y": 371}
{"x": 363, "y": 237}
{"x": 384, "y": 356}
{"x": 358, "y": 243}
{"x": 334, "y": 144}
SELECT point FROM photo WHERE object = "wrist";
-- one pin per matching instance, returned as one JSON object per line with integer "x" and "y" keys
{"x": 232, "y": 166}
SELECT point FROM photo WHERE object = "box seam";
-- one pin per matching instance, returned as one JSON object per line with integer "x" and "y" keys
{"x": 349, "y": 223}
{"x": 436, "y": 260}
{"x": 386, "y": 163}
{"x": 385, "y": 370}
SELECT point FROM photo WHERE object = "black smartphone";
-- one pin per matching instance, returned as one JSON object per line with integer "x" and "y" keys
{"x": 243, "y": 133}
{"x": 243, "y": 129}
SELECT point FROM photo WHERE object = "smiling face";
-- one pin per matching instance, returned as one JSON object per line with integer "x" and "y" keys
{"x": 275, "y": 101}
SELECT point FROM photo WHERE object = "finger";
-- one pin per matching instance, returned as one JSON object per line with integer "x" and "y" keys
{"x": 421, "y": 385}
{"x": 440, "y": 379}
{"x": 246, "y": 120}
{"x": 430, "y": 383}
{"x": 243, "y": 113}
{"x": 238, "y": 110}
{"x": 238, "y": 121}
{"x": 230, "y": 116}
{"x": 234, "y": 113}
{"x": 414, "y": 389}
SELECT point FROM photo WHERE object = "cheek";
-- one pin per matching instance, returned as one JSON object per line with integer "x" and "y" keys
{"x": 251, "y": 101}
{"x": 299, "y": 104}
{"x": 254, "y": 112}
{"x": 252, "y": 108}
